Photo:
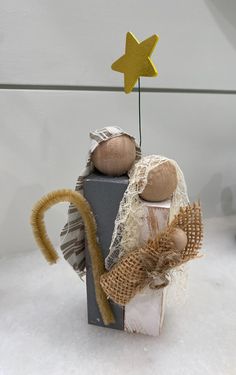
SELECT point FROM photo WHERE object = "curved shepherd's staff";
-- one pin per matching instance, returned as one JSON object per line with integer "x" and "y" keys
{"x": 48, "y": 250}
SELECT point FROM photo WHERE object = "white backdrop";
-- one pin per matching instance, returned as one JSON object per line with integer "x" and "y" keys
{"x": 75, "y": 42}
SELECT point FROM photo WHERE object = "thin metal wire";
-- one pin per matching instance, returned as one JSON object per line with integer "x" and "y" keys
{"x": 139, "y": 113}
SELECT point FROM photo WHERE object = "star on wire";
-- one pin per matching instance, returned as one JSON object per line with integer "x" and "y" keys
{"x": 136, "y": 61}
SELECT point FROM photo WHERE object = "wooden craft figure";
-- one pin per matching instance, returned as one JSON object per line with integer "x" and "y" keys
{"x": 155, "y": 230}
{"x": 145, "y": 253}
{"x": 80, "y": 216}
{"x": 139, "y": 221}
{"x": 152, "y": 177}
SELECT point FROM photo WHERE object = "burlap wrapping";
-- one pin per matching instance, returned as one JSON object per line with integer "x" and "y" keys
{"x": 152, "y": 263}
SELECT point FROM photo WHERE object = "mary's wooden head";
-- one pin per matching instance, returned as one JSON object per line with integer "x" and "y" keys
{"x": 161, "y": 183}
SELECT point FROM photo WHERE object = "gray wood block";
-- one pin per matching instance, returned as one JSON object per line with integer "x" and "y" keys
{"x": 104, "y": 195}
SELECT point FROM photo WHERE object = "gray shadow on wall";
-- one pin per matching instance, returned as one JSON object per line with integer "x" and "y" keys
{"x": 210, "y": 196}
{"x": 217, "y": 201}
{"x": 228, "y": 203}
{"x": 224, "y": 13}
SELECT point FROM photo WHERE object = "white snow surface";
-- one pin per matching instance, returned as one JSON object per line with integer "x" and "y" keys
{"x": 44, "y": 330}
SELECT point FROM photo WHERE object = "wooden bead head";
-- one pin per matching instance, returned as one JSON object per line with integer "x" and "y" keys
{"x": 115, "y": 156}
{"x": 179, "y": 238}
{"x": 161, "y": 183}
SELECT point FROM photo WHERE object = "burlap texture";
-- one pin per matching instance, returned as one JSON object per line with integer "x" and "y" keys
{"x": 152, "y": 263}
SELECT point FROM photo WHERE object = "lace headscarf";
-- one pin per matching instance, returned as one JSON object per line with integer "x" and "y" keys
{"x": 72, "y": 235}
{"x": 130, "y": 215}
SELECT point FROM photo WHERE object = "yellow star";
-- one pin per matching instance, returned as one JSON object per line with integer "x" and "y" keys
{"x": 136, "y": 61}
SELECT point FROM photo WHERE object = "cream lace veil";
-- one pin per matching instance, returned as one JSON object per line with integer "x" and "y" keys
{"x": 129, "y": 218}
